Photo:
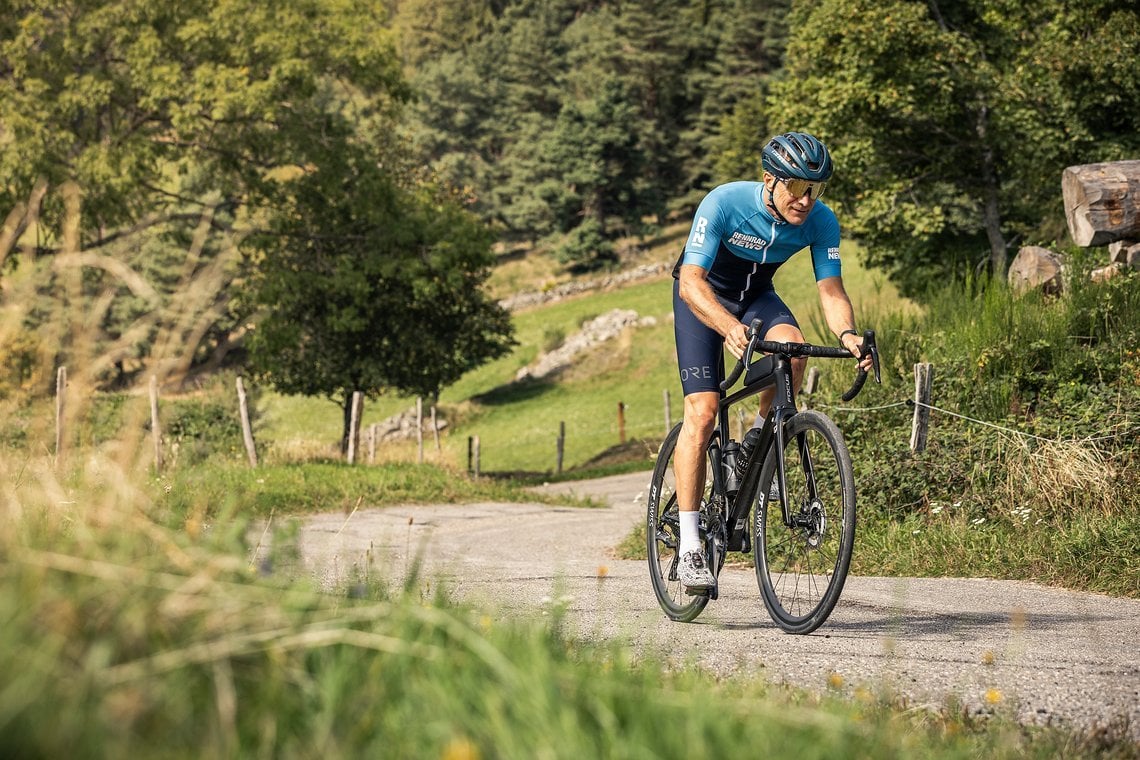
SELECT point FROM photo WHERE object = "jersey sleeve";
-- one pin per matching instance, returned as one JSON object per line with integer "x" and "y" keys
{"x": 825, "y": 247}
{"x": 705, "y": 234}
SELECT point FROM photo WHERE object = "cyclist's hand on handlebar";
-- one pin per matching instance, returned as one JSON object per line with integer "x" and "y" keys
{"x": 854, "y": 344}
{"x": 736, "y": 340}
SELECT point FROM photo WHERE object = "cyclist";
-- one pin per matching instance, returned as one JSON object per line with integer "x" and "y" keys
{"x": 741, "y": 233}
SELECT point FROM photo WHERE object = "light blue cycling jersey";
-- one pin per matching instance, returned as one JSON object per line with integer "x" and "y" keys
{"x": 737, "y": 239}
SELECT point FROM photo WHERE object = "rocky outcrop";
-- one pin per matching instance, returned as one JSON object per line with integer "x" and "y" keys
{"x": 593, "y": 333}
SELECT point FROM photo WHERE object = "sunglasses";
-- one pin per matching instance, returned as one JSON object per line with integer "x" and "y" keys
{"x": 801, "y": 187}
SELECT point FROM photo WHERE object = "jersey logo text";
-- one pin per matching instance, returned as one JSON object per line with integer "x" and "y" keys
{"x": 751, "y": 242}
{"x": 698, "y": 238}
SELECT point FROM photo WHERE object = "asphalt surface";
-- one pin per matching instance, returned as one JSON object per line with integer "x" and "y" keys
{"x": 1041, "y": 654}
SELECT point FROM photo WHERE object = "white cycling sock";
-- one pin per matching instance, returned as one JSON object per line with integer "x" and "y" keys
{"x": 690, "y": 532}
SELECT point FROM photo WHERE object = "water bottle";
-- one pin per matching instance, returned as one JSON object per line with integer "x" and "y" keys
{"x": 747, "y": 446}
{"x": 729, "y": 458}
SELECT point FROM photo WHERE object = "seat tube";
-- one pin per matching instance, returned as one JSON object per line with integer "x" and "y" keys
{"x": 722, "y": 418}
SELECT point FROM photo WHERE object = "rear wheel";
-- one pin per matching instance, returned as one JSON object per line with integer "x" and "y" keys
{"x": 801, "y": 568}
{"x": 663, "y": 535}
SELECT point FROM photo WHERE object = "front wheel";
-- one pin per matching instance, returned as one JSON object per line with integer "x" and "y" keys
{"x": 801, "y": 568}
{"x": 663, "y": 536}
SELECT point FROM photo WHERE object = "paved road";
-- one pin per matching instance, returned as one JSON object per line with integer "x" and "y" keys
{"x": 1041, "y": 653}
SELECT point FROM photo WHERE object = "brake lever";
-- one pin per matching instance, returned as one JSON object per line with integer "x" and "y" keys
{"x": 746, "y": 359}
{"x": 868, "y": 347}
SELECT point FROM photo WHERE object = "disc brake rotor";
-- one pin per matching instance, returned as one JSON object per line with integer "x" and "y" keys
{"x": 813, "y": 535}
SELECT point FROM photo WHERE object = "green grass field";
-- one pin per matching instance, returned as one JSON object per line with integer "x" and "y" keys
{"x": 518, "y": 423}
{"x": 134, "y": 623}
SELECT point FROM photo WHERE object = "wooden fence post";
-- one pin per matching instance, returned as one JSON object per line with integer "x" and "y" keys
{"x": 621, "y": 422}
{"x": 354, "y": 425}
{"x": 246, "y": 428}
{"x": 372, "y": 443}
{"x": 668, "y": 414}
{"x": 420, "y": 428}
{"x": 155, "y": 428}
{"x": 561, "y": 445}
{"x": 923, "y": 381}
{"x": 808, "y": 389}
{"x": 435, "y": 431}
{"x": 60, "y": 404}
{"x": 476, "y": 456}
{"x": 812, "y": 380}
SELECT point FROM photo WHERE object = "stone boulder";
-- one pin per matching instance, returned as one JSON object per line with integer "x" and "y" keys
{"x": 1037, "y": 267}
{"x": 593, "y": 333}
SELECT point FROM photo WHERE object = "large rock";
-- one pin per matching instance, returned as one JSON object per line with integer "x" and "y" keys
{"x": 1037, "y": 267}
{"x": 1125, "y": 252}
{"x": 527, "y": 300}
{"x": 593, "y": 333}
{"x": 402, "y": 426}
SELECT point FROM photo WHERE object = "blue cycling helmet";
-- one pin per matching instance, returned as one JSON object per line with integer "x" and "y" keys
{"x": 797, "y": 155}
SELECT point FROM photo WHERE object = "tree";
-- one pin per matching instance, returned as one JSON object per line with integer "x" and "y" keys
{"x": 366, "y": 285}
{"x": 951, "y": 123}
{"x": 124, "y": 98}
{"x": 431, "y": 29}
{"x": 543, "y": 79}
{"x": 454, "y": 125}
{"x": 733, "y": 123}
{"x": 593, "y": 164}
{"x": 171, "y": 122}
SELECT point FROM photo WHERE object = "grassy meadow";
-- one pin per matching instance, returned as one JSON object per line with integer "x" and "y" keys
{"x": 133, "y": 621}
{"x": 518, "y": 422}
{"x": 132, "y": 628}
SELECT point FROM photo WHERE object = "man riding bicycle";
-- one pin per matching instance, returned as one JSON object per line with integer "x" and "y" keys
{"x": 742, "y": 232}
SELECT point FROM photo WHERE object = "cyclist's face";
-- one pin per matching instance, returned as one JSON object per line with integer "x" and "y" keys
{"x": 794, "y": 209}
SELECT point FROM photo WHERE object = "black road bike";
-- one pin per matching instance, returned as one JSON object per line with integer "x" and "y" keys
{"x": 792, "y": 476}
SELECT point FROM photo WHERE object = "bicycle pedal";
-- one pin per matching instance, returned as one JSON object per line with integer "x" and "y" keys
{"x": 697, "y": 591}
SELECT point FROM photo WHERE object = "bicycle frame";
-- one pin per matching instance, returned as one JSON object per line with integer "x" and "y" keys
{"x": 773, "y": 370}
{"x": 771, "y": 433}
{"x": 816, "y": 494}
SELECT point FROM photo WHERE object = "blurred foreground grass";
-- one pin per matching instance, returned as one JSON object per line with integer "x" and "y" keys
{"x": 125, "y": 631}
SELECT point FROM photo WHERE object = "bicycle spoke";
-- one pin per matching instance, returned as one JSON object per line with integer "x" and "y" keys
{"x": 801, "y": 569}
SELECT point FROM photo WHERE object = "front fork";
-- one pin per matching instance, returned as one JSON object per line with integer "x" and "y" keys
{"x": 792, "y": 519}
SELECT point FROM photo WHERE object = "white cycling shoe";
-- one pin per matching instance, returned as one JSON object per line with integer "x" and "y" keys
{"x": 694, "y": 572}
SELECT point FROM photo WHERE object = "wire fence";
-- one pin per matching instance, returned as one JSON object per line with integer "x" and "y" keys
{"x": 586, "y": 438}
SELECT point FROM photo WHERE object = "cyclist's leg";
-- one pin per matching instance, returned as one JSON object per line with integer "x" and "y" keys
{"x": 689, "y": 459}
{"x": 700, "y": 363}
{"x": 779, "y": 324}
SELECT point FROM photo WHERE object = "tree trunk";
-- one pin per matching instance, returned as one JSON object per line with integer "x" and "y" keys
{"x": 991, "y": 216}
{"x": 1102, "y": 202}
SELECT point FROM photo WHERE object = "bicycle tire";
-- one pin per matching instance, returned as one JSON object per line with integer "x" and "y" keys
{"x": 663, "y": 536}
{"x": 801, "y": 570}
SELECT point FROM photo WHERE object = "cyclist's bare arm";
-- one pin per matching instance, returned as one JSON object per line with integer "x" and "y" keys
{"x": 698, "y": 295}
{"x": 840, "y": 316}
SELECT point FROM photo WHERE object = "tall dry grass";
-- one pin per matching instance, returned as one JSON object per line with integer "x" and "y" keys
{"x": 129, "y": 631}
